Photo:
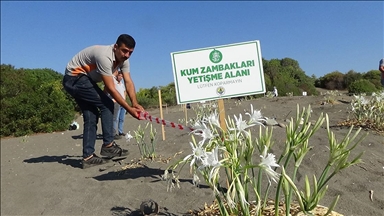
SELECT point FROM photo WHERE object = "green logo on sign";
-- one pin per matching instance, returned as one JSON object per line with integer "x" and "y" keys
{"x": 215, "y": 56}
{"x": 220, "y": 90}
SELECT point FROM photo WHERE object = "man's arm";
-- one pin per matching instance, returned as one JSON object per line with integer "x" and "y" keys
{"x": 110, "y": 87}
{"x": 381, "y": 68}
{"x": 130, "y": 89}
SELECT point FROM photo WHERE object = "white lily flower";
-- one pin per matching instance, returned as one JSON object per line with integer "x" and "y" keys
{"x": 198, "y": 126}
{"x": 241, "y": 125}
{"x": 242, "y": 196}
{"x": 165, "y": 176}
{"x": 267, "y": 162}
{"x": 361, "y": 99}
{"x": 204, "y": 132}
{"x": 364, "y": 101}
{"x": 231, "y": 193}
{"x": 212, "y": 160}
{"x": 196, "y": 180}
{"x": 198, "y": 153}
{"x": 381, "y": 95}
{"x": 214, "y": 119}
{"x": 128, "y": 136}
{"x": 255, "y": 117}
{"x": 231, "y": 137}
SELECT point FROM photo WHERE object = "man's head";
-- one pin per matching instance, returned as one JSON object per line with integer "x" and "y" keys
{"x": 124, "y": 47}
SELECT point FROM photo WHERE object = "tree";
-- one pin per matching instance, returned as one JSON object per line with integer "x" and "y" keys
{"x": 350, "y": 77}
{"x": 374, "y": 76}
{"x": 333, "y": 80}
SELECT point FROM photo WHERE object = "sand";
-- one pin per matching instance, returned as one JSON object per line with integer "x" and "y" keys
{"x": 41, "y": 174}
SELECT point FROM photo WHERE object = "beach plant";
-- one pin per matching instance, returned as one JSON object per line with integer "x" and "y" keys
{"x": 339, "y": 153}
{"x": 298, "y": 133}
{"x": 269, "y": 94}
{"x": 330, "y": 96}
{"x": 368, "y": 112}
{"x": 289, "y": 94}
{"x": 237, "y": 166}
{"x": 25, "y": 139}
{"x": 202, "y": 110}
{"x": 147, "y": 147}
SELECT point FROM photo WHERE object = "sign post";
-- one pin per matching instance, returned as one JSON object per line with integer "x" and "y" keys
{"x": 215, "y": 73}
{"x": 220, "y": 72}
{"x": 220, "y": 104}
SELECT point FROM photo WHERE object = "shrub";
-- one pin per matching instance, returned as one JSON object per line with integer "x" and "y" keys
{"x": 33, "y": 102}
{"x": 361, "y": 86}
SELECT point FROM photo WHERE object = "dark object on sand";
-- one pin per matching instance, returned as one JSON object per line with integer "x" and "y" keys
{"x": 149, "y": 207}
{"x": 72, "y": 127}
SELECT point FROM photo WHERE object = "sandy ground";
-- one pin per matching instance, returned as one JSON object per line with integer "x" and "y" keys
{"x": 41, "y": 174}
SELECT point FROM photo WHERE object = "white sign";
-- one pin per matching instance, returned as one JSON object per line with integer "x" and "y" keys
{"x": 212, "y": 73}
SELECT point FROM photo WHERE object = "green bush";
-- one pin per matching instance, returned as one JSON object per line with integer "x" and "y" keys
{"x": 288, "y": 77}
{"x": 373, "y": 76}
{"x": 33, "y": 101}
{"x": 361, "y": 86}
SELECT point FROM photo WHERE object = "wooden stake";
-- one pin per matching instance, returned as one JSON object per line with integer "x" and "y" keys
{"x": 222, "y": 114}
{"x": 186, "y": 112}
{"x": 161, "y": 114}
{"x": 220, "y": 103}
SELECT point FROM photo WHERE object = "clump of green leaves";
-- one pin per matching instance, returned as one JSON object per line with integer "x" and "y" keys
{"x": 368, "y": 112}
{"x": 269, "y": 94}
{"x": 289, "y": 94}
{"x": 146, "y": 146}
{"x": 330, "y": 96}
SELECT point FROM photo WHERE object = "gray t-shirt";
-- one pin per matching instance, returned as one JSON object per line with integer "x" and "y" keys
{"x": 95, "y": 61}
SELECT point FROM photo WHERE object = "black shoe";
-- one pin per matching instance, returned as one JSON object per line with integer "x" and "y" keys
{"x": 121, "y": 134}
{"x": 117, "y": 137}
{"x": 113, "y": 151}
{"x": 93, "y": 161}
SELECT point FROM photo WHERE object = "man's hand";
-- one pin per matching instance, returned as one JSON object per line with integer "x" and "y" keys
{"x": 134, "y": 112}
{"x": 137, "y": 113}
{"x": 138, "y": 106}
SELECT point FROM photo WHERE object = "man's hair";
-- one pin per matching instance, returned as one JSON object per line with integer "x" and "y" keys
{"x": 127, "y": 40}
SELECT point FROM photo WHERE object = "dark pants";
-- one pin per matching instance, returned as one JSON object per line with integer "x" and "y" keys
{"x": 92, "y": 102}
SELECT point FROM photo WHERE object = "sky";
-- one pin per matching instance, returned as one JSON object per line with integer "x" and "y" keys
{"x": 323, "y": 36}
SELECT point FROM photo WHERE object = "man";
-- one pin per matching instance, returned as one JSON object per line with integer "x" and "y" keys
{"x": 95, "y": 64}
{"x": 381, "y": 68}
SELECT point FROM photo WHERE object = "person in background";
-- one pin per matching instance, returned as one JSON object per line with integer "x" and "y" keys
{"x": 119, "y": 111}
{"x": 88, "y": 67}
{"x": 122, "y": 111}
{"x": 381, "y": 69}
{"x": 275, "y": 93}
